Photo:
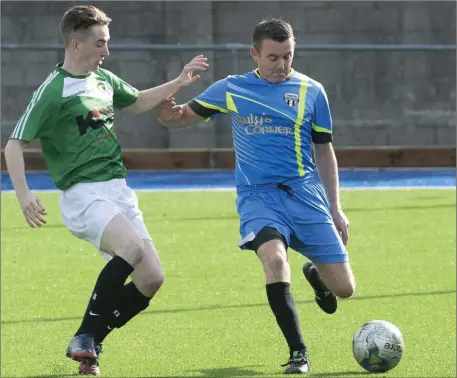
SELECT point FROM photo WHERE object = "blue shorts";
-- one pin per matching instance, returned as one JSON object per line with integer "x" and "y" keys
{"x": 303, "y": 218}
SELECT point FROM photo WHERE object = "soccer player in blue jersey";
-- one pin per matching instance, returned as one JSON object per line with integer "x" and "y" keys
{"x": 278, "y": 116}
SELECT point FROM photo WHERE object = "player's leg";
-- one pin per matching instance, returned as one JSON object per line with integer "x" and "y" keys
{"x": 130, "y": 300}
{"x": 338, "y": 277}
{"x": 330, "y": 270}
{"x": 121, "y": 241}
{"x": 329, "y": 281}
{"x": 316, "y": 237}
{"x": 265, "y": 231}
{"x": 273, "y": 255}
{"x": 90, "y": 213}
{"x": 135, "y": 297}
{"x": 147, "y": 278}
{"x": 325, "y": 298}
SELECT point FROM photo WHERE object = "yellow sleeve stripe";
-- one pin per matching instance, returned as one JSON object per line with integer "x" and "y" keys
{"x": 320, "y": 129}
{"x": 210, "y": 106}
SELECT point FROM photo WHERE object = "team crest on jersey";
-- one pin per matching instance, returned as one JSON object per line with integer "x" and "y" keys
{"x": 291, "y": 99}
{"x": 101, "y": 87}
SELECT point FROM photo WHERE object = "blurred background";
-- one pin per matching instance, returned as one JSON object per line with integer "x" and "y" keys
{"x": 380, "y": 95}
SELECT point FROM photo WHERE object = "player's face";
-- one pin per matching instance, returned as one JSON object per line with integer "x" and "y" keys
{"x": 93, "y": 48}
{"x": 274, "y": 59}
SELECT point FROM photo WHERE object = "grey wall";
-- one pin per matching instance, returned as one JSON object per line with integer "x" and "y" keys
{"x": 377, "y": 98}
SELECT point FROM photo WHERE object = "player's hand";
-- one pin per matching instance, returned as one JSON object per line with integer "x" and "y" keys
{"x": 32, "y": 209}
{"x": 168, "y": 110}
{"x": 195, "y": 65}
{"x": 342, "y": 224}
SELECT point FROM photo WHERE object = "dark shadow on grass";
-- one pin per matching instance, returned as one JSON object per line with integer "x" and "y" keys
{"x": 233, "y": 372}
{"x": 150, "y": 220}
{"x": 55, "y": 375}
{"x": 346, "y": 373}
{"x": 219, "y": 307}
{"x": 346, "y": 210}
{"x": 411, "y": 207}
{"x": 229, "y": 372}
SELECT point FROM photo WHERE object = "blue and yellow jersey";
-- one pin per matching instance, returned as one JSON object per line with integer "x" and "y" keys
{"x": 273, "y": 125}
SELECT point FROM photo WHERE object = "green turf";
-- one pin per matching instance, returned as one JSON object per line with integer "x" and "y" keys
{"x": 211, "y": 318}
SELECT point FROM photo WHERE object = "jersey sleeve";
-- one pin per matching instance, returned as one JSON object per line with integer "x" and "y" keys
{"x": 322, "y": 119}
{"x": 211, "y": 103}
{"x": 123, "y": 93}
{"x": 40, "y": 116}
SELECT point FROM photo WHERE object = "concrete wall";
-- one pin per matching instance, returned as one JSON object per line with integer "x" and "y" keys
{"x": 377, "y": 98}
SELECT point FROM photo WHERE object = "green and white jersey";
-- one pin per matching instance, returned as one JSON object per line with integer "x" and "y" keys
{"x": 73, "y": 116}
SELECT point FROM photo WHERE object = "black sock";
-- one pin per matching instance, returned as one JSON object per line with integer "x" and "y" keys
{"x": 101, "y": 333}
{"x": 283, "y": 306}
{"x": 107, "y": 289}
{"x": 131, "y": 302}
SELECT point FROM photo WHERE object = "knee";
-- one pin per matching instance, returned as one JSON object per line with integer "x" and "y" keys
{"x": 156, "y": 280}
{"x": 338, "y": 278}
{"x": 273, "y": 255}
{"x": 133, "y": 253}
{"x": 274, "y": 260}
{"x": 152, "y": 284}
{"x": 277, "y": 263}
{"x": 345, "y": 291}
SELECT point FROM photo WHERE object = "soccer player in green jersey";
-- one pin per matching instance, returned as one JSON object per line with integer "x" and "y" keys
{"x": 279, "y": 117}
{"x": 72, "y": 114}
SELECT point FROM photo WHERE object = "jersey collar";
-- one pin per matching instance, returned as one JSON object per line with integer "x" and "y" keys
{"x": 68, "y": 74}
{"x": 258, "y": 76}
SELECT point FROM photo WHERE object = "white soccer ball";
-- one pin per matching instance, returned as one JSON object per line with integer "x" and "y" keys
{"x": 378, "y": 346}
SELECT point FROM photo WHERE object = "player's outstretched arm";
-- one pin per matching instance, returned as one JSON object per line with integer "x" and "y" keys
{"x": 328, "y": 171}
{"x": 150, "y": 98}
{"x": 31, "y": 206}
{"x": 176, "y": 116}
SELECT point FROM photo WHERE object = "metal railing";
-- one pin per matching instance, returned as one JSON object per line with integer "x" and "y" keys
{"x": 234, "y": 48}
{"x": 242, "y": 47}
{"x": 436, "y": 112}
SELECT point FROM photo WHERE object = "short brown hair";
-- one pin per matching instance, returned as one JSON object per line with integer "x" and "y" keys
{"x": 81, "y": 18}
{"x": 271, "y": 28}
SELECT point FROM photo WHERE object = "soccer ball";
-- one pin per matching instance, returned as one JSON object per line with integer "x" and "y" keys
{"x": 378, "y": 346}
